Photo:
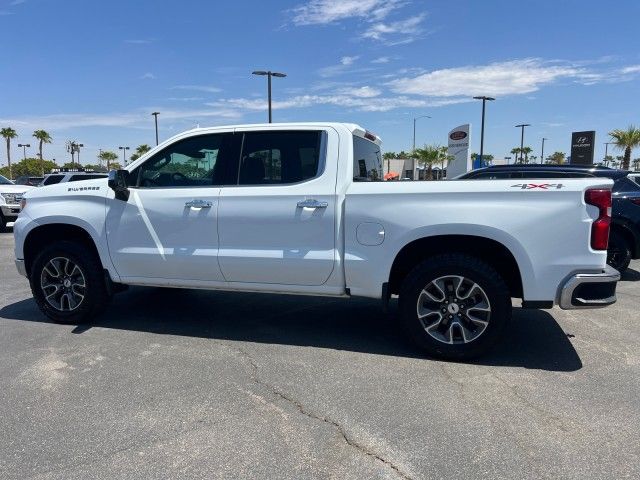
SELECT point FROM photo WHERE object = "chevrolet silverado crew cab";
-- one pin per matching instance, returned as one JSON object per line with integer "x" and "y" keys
{"x": 303, "y": 209}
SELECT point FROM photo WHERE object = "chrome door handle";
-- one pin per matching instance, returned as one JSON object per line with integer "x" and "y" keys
{"x": 311, "y": 203}
{"x": 198, "y": 203}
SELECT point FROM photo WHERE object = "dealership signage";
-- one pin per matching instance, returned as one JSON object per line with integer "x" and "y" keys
{"x": 458, "y": 148}
{"x": 582, "y": 147}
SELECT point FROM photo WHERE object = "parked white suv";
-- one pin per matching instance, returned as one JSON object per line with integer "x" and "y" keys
{"x": 302, "y": 209}
{"x": 10, "y": 198}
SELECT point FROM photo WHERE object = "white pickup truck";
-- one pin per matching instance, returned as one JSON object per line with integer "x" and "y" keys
{"x": 302, "y": 209}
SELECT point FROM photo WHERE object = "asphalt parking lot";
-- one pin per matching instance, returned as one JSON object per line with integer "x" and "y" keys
{"x": 194, "y": 384}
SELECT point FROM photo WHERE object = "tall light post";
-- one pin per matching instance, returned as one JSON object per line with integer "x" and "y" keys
{"x": 484, "y": 102}
{"x": 606, "y": 151}
{"x": 124, "y": 153}
{"x": 24, "y": 149}
{"x": 78, "y": 145}
{"x": 542, "y": 151}
{"x": 269, "y": 74}
{"x": 414, "y": 129}
{"x": 155, "y": 116}
{"x": 522, "y": 125}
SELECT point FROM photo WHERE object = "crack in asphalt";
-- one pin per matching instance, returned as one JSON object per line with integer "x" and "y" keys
{"x": 304, "y": 411}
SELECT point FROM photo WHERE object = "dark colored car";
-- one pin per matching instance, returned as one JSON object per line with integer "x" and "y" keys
{"x": 624, "y": 240}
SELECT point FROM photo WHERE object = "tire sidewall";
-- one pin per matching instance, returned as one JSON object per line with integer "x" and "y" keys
{"x": 479, "y": 273}
{"x": 94, "y": 282}
{"x": 624, "y": 249}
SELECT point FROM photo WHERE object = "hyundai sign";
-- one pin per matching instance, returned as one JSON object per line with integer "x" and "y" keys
{"x": 582, "y": 147}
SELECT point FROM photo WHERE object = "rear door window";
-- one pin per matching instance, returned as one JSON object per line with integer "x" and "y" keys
{"x": 280, "y": 157}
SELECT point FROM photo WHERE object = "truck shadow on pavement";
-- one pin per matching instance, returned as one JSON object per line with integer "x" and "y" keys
{"x": 631, "y": 275}
{"x": 533, "y": 339}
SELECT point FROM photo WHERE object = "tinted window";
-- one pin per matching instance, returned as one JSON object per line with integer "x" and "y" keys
{"x": 75, "y": 178}
{"x": 52, "y": 179}
{"x": 193, "y": 162}
{"x": 496, "y": 175}
{"x": 367, "y": 161}
{"x": 271, "y": 158}
{"x": 624, "y": 184}
{"x": 554, "y": 174}
{"x": 5, "y": 181}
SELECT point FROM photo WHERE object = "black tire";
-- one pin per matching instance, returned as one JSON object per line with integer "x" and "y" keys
{"x": 3, "y": 224}
{"x": 619, "y": 252}
{"x": 492, "y": 289}
{"x": 95, "y": 292}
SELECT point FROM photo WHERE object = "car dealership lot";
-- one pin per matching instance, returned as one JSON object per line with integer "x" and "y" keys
{"x": 195, "y": 384}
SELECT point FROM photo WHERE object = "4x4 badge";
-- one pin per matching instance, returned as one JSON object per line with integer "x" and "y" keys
{"x": 541, "y": 186}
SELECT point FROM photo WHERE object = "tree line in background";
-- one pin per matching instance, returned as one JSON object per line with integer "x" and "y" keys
{"x": 40, "y": 166}
{"x": 625, "y": 140}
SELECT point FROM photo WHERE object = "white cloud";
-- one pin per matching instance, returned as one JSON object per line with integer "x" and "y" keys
{"x": 361, "y": 92}
{"x": 134, "y": 119}
{"x": 17, "y": 2}
{"x": 348, "y": 60}
{"x": 148, "y": 76}
{"x": 398, "y": 32}
{"x": 340, "y": 68}
{"x": 342, "y": 100}
{"x": 198, "y": 88}
{"x": 630, "y": 69}
{"x": 500, "y": 78}
{"x": 321, "y": 12}
{"x": 381, "y": 60}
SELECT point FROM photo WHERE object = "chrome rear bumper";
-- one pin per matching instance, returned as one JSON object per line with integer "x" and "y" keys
{"x": 589, "y": 290}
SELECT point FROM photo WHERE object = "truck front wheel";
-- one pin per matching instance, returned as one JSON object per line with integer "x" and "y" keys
{"x": 454, "y": 306}
{"x": 67, "y": 282}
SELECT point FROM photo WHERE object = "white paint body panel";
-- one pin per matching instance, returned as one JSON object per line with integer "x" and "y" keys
{"x": 255, "y": 238}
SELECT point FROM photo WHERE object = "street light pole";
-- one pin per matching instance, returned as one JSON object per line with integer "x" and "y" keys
{"x": 269, "y": 74}
{"x": 24, "y": 149}
{"x": 484, "y": 101}
{"x": 542, "y": 152}
{"x": 414, "y": 129}
{"x": 155, "y": 115}
{"x": 606, "y": 151}
{"x": 124, "y": 153}
{"x": 522, "y": 125}
{"x": 78, "y": 145}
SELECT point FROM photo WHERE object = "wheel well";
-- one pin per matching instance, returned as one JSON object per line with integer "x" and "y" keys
{"x": 45, "y": 235}
{"x": 492, "y": 252}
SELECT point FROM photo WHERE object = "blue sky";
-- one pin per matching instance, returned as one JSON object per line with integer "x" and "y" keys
{"x": 94, "y": 71}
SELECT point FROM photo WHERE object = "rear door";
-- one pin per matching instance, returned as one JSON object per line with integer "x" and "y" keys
{"x": 277, "y": 225}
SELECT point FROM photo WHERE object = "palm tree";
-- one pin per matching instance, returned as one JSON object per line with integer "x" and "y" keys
{"x": 107, "y": 157}
{"x": 140, "y": 150}
{"x": 526, "y": 151}
{"x": 557, "y": 158}
{"x": 515, "y": 151}
{"x": 8, "y": 133}
{"x": 626, "y": 140}
{"x": 43, "y": 137}
{"x": 427, "y": 156}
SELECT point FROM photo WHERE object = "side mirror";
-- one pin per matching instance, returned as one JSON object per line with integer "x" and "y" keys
{"x": 119, "y": 183}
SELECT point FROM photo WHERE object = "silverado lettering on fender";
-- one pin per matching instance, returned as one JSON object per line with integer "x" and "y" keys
{"x": 302, "y": 209}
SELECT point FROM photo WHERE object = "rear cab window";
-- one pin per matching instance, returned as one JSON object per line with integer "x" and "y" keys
{"x": 367, "y": 161}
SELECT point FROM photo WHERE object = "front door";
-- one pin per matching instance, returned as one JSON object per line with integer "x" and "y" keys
{"x": 168, "y": 227}
{"x": 278, "y": 224}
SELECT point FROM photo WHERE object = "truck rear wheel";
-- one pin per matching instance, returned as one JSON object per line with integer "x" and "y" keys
{"x": 619, "y": 252}
{"x": 67, "y": 283}
{"x": 454, "y": 306}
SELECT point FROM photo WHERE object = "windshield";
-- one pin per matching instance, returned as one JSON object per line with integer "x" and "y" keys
{"x": 5, "y": 181}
